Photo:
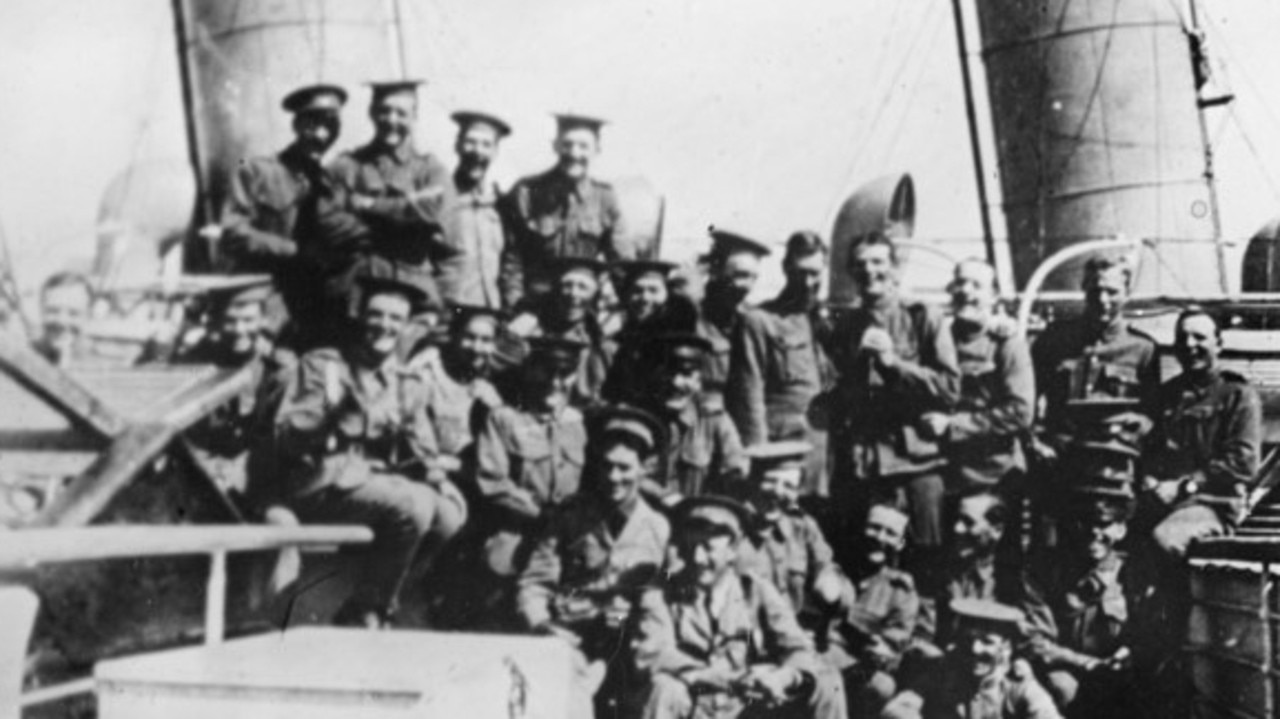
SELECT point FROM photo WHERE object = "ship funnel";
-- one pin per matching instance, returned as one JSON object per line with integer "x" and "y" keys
{"x": 886, "y": 204}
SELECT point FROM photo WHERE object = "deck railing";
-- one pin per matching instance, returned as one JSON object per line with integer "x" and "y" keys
{"x": 30, "y": 548}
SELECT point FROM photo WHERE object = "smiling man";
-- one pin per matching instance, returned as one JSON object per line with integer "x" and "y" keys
{"x": 650, "y": 311}
{"x": 563, "y": 212}
{"x": 733, "y": 265}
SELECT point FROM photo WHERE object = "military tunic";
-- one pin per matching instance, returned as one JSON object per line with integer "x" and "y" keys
{"x": 715, "y": 368}
{"x": 261, "y": 218}
{"x": 597, "y": 358}
{"x": 776, "y": 368}
{"x": 791, "y": 553}
{"x": 1002, "y": 582}
{"x": 743, "y": 621}
{"x": 474, "y": 237}
{"x": 552, "y": 216}
{"x": 455, "y": 409}
{"x": 703, "y": 453}
{"x": 996, "y": 407}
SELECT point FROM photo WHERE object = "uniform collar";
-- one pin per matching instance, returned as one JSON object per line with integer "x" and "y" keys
{"x": 399, "y": 154}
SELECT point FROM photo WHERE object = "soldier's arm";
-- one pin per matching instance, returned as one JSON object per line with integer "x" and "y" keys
{"x": 655, "y": 646}
{"x": 822, "y": 562}
{"x": 748, "y": 355}
{"x": 493, "y": 475}
{"x": 420, "y": 432}
{"x": 900, "y": 624}
{"x": 1011, "y": 411}
{"x": 936, "y": 378}
{"x": 239, "y": 214}
{"x": 728, "y": 460}
{"x": 303, "y": 420}
{"x": 616, "y": 232}
{"x": 421, "y": 206}
{"x": 783, "y": 632}
{"x": 1040, "y": 623}
{"x": 1235, "y": 459}
{"x": 540, "y": 580}
{"x": 512, "y": 208}
{"x": 1034, "y": 701}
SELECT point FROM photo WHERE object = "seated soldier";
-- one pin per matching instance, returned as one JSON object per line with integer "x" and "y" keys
{"x": 719, "y": 642}
{"x": 569, "y": 312}
{"x": 234, "y": 339}
{"x": 601, "y": 549}
{"x": 350, "y": 437}
{"x": 1090, "y": 589}
{"x": 460, "y": 396}
{"x": 650, "y": 310}
{"x": 981, "y": 680}
{"x": 703, "y": 453}
{"x": 529, "y": 455}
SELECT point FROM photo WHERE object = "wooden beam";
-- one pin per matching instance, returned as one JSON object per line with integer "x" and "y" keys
{"x": 64, "y": 394}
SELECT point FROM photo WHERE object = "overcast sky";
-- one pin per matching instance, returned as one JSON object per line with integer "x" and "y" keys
{"x": 757, "y": 115}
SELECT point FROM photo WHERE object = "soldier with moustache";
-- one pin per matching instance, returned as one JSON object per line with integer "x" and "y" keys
{"x": 650, "y": 310}
{"x": 703, "y": 453}
{"x": 352, "y": 437}
{"x": 777, "y": 363}
{"x": 563, "y": 212}
{"x": 733, "y": 265}
{"x": 600, "y": 550}
{"x": 717, "y": 641}
{"x": 474, "y": 232}
{"x": 268, "y": 222}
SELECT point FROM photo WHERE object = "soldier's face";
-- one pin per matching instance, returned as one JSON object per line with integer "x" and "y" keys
{"x": 240, "y": 327}
{"x": 63, "y": 311}
{"x": 645, "y": 296}
{"x": 1196, "y": 343}
{"x": 476, "y": 342}
{"x": 884, "y": 535}
{"x": 575, "y": 148}
{"x": 985, "y": 652}
{"x": 975, "y": 534}
{"x": 622, "y": 470}
{"x": 1097, "y": 537}
{"x": 682, "y": 381}
{"x": 548, "y": 386}
{"x": 708, "y": 556}
{"x": 1105, "y": 295}
{"x": 476, "y": 147}
{"x": 316, "y": 131}
{"x": 383, "y": 320}
{"x": 393, "y": 116}
{"x": 738, "y": 276}
{"x": 873, "y": 269}
{"x": 973, "y": 292}
{"x": 576, "y": 291}
{"x": 778, "y": 490}
{"x": 805, "y": 274}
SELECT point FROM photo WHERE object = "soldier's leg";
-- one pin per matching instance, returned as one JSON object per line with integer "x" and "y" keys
{"x": 925, "y": 495}
{"x": 665, "y": 697}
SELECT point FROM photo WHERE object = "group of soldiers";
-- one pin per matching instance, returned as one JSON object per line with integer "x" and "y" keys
{"x": 892, "y": 509}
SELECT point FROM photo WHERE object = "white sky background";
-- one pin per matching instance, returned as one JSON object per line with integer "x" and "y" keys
{"x": 760, "y": 116}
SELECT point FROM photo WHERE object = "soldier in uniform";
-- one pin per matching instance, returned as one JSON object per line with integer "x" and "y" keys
{"x": 777, "y": 364}
{"x": 395, "y": 193}
{"x": 474, "y": 231}
{"x": 569, "y": 312}
{"x": 1203, "y": 456}
{"x": 733, "y": 266}
{"x": 268, "y": 220}
{"x": 719, "y": 642}
{"x": 982, "y": 680}
{"x": 66, "y": 299}
{"x": 650, "y": 311}
{"x": 563, "y": 212}
{"x": 602, "y": 548}
{"x": 352, "y": 440}
{"x": 896, "y": 362}
{"x": 703, "y": 453}
{"x": 529, "y": 457}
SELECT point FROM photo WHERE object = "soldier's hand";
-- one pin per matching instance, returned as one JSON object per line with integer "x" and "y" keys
{"x": 828, "y": 587}
{"x": 1167, "y": 491}
{"x": 1042, "y": 450}
{"x": 880, "y": 652}
{"x": 933, "y": 425}
{"x": 877, "y": 342}
{"x": 715, "y": 677}
{"x": 775, "y": 682}
{"x": 361, "y": 203}
{"x": 210, "y": 233}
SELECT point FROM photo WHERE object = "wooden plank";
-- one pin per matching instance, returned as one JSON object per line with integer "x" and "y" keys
{"x": 64, "y": 394}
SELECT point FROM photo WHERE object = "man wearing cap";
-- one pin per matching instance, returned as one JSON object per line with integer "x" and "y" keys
{"x": 603, "y": 547}
{"x": 475, "y": 233}
{"x": 395, "y": 193}
{"x": 777, "y": 365}
{"x": 568, "y": 311}
{"x": 1091, "y": 589}
{"x": 982, "y": 435}
{"x": 703, "y": 452}
{"x": 650, "y": 311}
{"x": 720, "y": 642}
{"x": 563, "y": 212}
{"x": 353, "y": 439}
{"x": 530, "y": 454}
{"x": 896, "y": 362}
{"x": 733, "y": 265}
{"x": 1203, "y": 456}
{"x": 982, "y": 680}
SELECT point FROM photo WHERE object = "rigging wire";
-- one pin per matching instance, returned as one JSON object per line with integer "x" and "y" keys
{"x": 912, "y": 95}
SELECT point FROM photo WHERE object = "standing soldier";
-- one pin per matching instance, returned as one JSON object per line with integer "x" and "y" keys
{"x": 601, "y": 549}
{"x": 896, "y": 362}
{"x": 563, "y": 212}
{"x": 719, "y": 642}
{"x": 703, "y": 452}
{"x": 529, "y": 457}
{"x": 475, "y": 233}
{"x": 353, "y": 437}
{"x": 394, "y": 192}
{"x": 777, "y": 365}
{"x": 269, "y": 217}
{"x": 733, "y": 266}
